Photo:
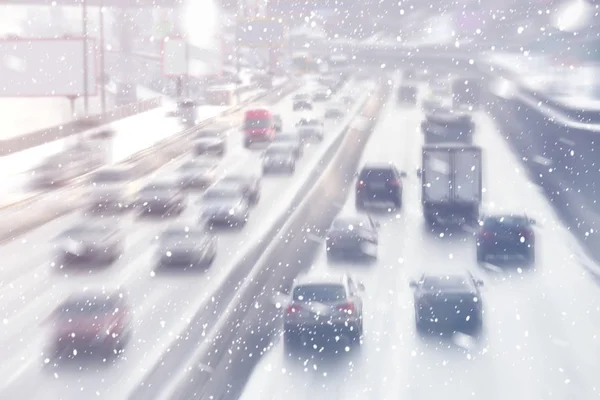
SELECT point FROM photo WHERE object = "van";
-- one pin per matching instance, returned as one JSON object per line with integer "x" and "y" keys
{"x": 259, "y": 126}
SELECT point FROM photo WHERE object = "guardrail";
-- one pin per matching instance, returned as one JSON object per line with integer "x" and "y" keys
{"x": 43, "y": 136}
{"x": 228, "y": 299}
{"x": 43, "y": 207}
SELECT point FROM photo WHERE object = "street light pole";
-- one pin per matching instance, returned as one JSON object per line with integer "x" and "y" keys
{"x": 103, "y": 81}
{"x": 85, "y": 57}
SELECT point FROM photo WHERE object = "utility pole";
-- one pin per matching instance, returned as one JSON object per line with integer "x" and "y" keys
{"x": 103, "y": 81}
{"x": 85, "y": 57}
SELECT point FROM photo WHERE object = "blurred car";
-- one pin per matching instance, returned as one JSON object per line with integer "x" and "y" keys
{"x": 71, "y": 163}
{"x": 95, "y": 321}
{"x": 185, "y": 246}
{"x": 322, "y": 95}
{"x": 352, "y": 236}
{"x": 302, "y": 103}
{"x": 111, "y": 189}
{"x": 226, "y": 204}
{"x": 293, "y": 140}
{"x": 448, "y": 126}
{"x": 448, "y": 301}
{"x": 506, "y": 236}
{"x": 379, "y": 183}
{"x": 278, "y": 122}
{"x": 94, "y": 241}
{"x": 209, "y": 142}
{"x": 164, "y": 196}
{"x": 323, "y": 307}
{"x": 279, "y": 158}
{"x": 310, "y": 128}
{"x": 335, "y": 112}
{"x": 250, "y": 185}
{"x": 197, "y": 174}
{"x": 407, "y": 94}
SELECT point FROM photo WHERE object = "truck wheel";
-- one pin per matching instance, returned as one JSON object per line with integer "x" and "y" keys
{"x": 398, "y": 202}
{"x": 531, "y": 256}
{"x": 480, "y": 256}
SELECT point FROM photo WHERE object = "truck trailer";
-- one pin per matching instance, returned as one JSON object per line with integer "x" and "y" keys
{"x": 451, "y": 182}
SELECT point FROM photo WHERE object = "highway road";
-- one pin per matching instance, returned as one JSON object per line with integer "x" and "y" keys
{"x": 540, "y": 336}
{"x": 32, "y": 285}
{"x": 133, "y": 134}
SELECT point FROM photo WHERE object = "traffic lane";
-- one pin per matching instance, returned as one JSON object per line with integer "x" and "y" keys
{"x": 177, "y": 292}
{"x": 529, "y": 333}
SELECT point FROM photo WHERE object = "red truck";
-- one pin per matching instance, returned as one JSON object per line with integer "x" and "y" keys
{"x": 259, "y": 126}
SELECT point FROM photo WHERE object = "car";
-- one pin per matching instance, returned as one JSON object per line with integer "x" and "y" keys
{"x": 111, "y": 189}
{"x": 506, "y": 236}
{"x": 93, "y": 241}
{"x": 279, "y": 158}
{"x": 323, "y": 306}
{"x": 322, "y": 95}
{"x": 259, "y": 126}
{"x": 60, "y": 168}
{"x": 448, "y": 301}
{"x": 379, "y": 183}
{"x": 164, "y": 196}
{"x": 186, "y": 246}
{"x": 302, "y": 104}
{"x": 209, "y": 142}
{"x": 293, "y": 140}
{"x": 250, "y": 185}
{"x": 407, "y": 94}
{"x": 224, "y": 204}
{"x": 310, "y": 129}
{"x": 334, "y": 112}
{"x": 352, "y": 236}
{"x": 197, "y": 174}
{"x": 278, "y": 122}
{"x": 448, "y": 126}
{"x": 93, "y": 321}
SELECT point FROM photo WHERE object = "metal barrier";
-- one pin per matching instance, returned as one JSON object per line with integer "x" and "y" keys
{"x": 43, "y": 136}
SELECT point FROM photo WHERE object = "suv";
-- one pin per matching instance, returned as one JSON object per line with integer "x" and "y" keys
{"x": 379, "y": 183}
{"x": 323, "y": 306}
{"x": 505, "y": 236}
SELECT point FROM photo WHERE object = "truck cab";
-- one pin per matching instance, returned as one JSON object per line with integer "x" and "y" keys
{"x": 259, "y": 126}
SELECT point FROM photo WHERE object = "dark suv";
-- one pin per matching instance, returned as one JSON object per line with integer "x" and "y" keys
{"x": 504, "y": 236}
{"x": 379, "y": 183}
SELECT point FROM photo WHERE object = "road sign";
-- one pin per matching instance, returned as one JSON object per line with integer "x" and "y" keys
{"x": 260, "y": 33}
{"x": 175, "y": 56}
{"x": 46, "y": 67}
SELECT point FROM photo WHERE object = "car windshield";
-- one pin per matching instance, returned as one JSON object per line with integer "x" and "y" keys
{"x": 277, "y": 150}
{"x": 321, "y": 293}
{"x": 507, "y": 221}
{"x": 83, "y": 307}
{"x": 208, "y": 134}
{"x": 221, "y": 194}
{"x": 447, "y": 282}
{"x": 182, "y": 234}
{"x": 308, "y": 122}
{"x": 110, "y": 176}
{"x": 257, "y": 123}
{"x": 377, "y": 174}
{"x": 348, "y": 224}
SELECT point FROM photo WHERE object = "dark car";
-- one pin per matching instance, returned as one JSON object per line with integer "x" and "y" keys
{"x": 335, "y": 112}
{"x": 379, "y": 183}
{"x": 185, "y": 246}
{"x": 322, "y": 95}
{"x": 224, "y": 204}
{"x": 293, "y": 140}
{"x": 196, "y": 174}
{"x": 302, "y": 104}
{"x": 352, "y": 236}
{"x": 209, "y": 142}
{"x": 323, "y": 307}
{"x": 279, "y": 158}
{"x": 407, "y": 94}
{"x": 448, "y": 302}
{"x": 95, "y": 322}
{"x": 164, "y": 197}
{"x": 93, "y": 241}
{"x": 506, "y": 236}
{"x": 250, "y": 185}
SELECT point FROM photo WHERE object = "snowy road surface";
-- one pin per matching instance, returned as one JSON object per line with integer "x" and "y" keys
{"x": 31, "y": 285}
{"x": 540, "y": 336}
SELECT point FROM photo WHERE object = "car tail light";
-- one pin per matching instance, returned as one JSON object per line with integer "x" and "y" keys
{"x": 527, "y": 234}
{"x": 293, "y": 308}
{"x": 360, "y": 184}
{"x": 348, "y": 308}
{"x": 485, "y": 234}
{"x": 395, "y": 183}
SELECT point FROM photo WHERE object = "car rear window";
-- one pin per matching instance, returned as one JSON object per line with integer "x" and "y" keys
{"x": 377, "y": 174}
{"x": 506, "y": 221}
{"x": 92, "y": 306}
{"x": 452, "y": 282}
{"x": 322, "y": 293}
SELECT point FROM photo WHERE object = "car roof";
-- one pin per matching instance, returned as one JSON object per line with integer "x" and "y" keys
{"x": 447, "y": 278}
{"x": 221, "y": 186}
{"x": 351, "y": 218}
{"x": 316, "y": 278}
{"x": 277, "y": 146}
{"x": 378, "y": 165}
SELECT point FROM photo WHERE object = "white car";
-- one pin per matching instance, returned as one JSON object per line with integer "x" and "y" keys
{"x": 311, "y": 129}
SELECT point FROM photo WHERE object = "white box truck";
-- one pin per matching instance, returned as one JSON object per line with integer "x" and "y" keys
{"x": 451, "y": 181}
